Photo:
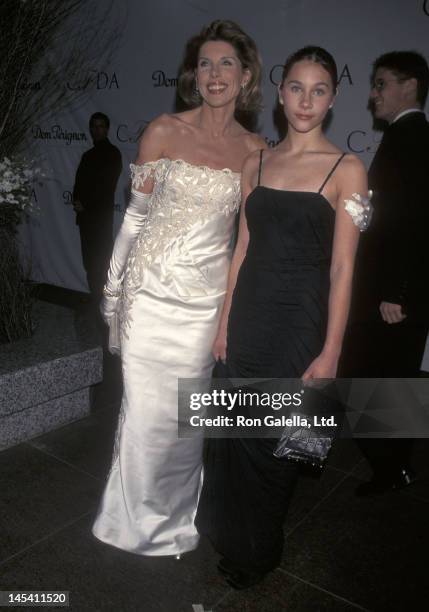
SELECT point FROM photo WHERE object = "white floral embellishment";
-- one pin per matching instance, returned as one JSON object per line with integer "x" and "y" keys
{"x": 360, "y": 209}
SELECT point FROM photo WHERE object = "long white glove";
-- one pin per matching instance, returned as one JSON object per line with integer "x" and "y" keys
{"x": 134, "y": 219}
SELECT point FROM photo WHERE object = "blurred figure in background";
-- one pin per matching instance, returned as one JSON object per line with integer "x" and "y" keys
{"x": 389, "y": 317}
{"x": 94, "y": 196}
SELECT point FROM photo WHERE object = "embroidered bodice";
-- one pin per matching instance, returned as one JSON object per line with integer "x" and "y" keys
{"x": 183, "y": 194}
{"x": 191, "y": 210}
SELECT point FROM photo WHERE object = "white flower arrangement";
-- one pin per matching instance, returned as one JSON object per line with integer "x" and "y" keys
{"x": 16, "y": 181}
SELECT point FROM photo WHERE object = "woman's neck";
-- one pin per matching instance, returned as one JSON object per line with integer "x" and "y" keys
{"x": 217, "y": 122}
{"x": 300, "y": 142}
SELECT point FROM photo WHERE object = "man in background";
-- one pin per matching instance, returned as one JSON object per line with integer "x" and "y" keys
{"x": 93, "y": 195}
{"x": 389, "y": 317}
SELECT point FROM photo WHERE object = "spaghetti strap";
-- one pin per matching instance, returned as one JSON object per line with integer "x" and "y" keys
{"x": 261, "y": 152}
{"x": 331, "y": 172}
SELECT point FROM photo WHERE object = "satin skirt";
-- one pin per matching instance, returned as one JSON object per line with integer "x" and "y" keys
{"x": 150, "y": 500}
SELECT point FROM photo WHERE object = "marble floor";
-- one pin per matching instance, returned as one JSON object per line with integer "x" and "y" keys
{"x": 342, "y": 553}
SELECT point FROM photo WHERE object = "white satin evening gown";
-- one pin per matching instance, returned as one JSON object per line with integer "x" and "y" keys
{"x": 173, "y": 289}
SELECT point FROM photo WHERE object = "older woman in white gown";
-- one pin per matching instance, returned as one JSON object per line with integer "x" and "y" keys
{"x": 167, "y": 281}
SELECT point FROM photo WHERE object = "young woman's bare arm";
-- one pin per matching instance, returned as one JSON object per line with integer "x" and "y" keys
{"x": 351, "y": 179}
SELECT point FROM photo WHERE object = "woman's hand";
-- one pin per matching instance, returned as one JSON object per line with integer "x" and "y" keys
{"x": 108, "y": 307}
{"x": 392, "y": 313}
{"x": 219, "y": 346}
{"x": 324, "y": 366}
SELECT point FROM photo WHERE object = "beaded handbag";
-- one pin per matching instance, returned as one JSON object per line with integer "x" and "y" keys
{"x": 314, "y": 427}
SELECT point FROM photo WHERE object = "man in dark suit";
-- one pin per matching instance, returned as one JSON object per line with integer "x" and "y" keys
{"x": 93, "y": 195}
{"x": 389, "y": 317}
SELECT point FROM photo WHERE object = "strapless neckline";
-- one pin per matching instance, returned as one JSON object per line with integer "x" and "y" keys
{"x": 199, "y": 166}
{"x": 302, "y": 191}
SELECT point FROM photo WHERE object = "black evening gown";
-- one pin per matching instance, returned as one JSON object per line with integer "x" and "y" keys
{"x": 276, "y": 328}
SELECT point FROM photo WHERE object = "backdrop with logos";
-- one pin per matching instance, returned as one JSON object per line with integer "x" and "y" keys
{"x": 140, "y": 83}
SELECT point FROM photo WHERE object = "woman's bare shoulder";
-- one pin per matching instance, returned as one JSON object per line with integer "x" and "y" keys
{"x": 352, "y": 166}
{"x": 154, "y": 140}
{"x": 252, "y": 159}
{"x": 160, "y": 126}
{"x": 254, "y": 142}
{"x": 352, "y": 161}
{"x": 351, "y": 176}
{"x": 251, "y": 166}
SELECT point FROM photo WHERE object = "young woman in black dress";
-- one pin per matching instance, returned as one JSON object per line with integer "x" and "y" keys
{"x": 286, "y": 307}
